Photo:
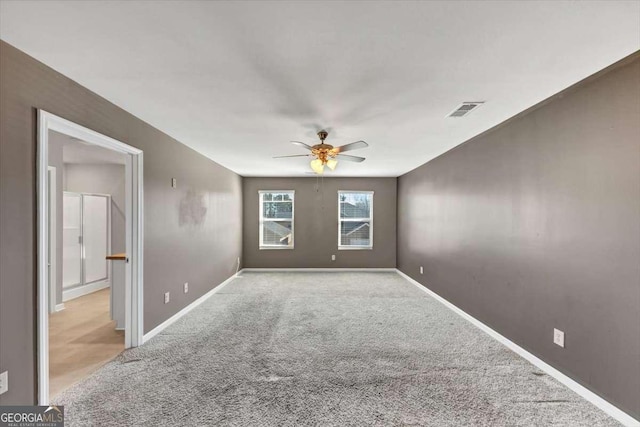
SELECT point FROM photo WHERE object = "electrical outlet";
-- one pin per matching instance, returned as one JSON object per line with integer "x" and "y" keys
{"x": 421, "y": 270}
{"x": 558, "y": 337}
{"x": 174, "y": 183}
{"x": 4, "y": 382}
{"x": 186, "y": 287}
{"x": 167, "y": 297}
{"x": 333, "y": 257}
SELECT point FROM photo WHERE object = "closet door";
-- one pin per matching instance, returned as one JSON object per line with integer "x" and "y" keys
{"x": 71, "y": 240}
{"x": 95, "y": 220}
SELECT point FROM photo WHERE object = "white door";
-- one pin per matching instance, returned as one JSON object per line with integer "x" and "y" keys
{"x": 72, "y": 240}
{"x": 95, "y": 237}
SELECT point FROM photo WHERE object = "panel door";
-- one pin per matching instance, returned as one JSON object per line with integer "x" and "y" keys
{"x": 95, "y": 219}
{"x": 71, "y": 240}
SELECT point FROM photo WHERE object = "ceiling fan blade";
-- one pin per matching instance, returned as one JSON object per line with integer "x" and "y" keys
{"x": 353, "y": 146}
{"x": 302, "y": 144}
{"x": 295, "y": 155}
{"x": 350, "y": 158}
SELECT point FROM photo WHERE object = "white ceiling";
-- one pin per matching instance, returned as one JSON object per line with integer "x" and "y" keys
{"x": 77, "y": 151}
{"x": 237, "y": 81}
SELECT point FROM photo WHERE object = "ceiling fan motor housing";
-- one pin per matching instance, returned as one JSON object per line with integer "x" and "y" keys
{"x": 323, "y": 151}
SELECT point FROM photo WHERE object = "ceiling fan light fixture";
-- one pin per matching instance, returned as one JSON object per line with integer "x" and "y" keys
{"x": 325, "y": 154}
{"x": 317, "y": 166}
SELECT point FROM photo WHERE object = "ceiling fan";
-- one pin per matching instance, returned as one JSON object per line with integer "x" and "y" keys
{"x": 326, "y": 154}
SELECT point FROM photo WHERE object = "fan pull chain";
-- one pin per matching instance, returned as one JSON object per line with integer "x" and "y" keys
{"x": 322, "y": 194}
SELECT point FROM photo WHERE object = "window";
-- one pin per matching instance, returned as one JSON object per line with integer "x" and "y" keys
{"x": 355, "y": 224}
{"x": 276, "y": 219}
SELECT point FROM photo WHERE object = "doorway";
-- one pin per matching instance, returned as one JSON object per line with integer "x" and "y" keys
{"x": 77, "y": 281}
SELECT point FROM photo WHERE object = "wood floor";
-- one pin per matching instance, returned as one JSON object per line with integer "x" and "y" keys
{"x": 82, "y": 338}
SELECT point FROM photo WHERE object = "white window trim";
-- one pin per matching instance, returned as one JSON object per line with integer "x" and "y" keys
{"x": 261, "y": 219}
{"x": 370, "y": 219}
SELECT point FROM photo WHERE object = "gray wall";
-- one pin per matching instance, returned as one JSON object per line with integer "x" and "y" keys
{"x": 316, "y": 224}
{"x": 192, "y": 233}
{"x": 536, "y": 225}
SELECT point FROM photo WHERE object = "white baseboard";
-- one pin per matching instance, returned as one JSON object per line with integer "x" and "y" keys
{"x": 80, "y": 291}
{"x": 584, "y": 392}
{"x": 59, "y": 307}
{"x": 331, "y": 270}
{"x": 155, "y": 331}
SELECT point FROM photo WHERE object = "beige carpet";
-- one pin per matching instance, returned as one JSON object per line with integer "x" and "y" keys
{"x": 323, "y": 349}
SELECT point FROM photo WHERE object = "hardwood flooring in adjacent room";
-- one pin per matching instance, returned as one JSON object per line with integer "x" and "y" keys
{"x": 82, "y": 338}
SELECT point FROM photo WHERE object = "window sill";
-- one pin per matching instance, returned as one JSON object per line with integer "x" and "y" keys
{"x": 276, "y": 248}
{"x": 355, "y": 248}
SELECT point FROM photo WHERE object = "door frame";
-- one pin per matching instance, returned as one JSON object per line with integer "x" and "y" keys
{"x": 134, "y": 212}
{"x": 52, "y": 265}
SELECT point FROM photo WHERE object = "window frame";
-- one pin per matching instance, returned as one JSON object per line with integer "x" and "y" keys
{"x": 262, "y": 219}
{"x": 368, "y": 247}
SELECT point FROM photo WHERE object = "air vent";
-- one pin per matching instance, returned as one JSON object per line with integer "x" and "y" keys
{"x": 465, "y": 108}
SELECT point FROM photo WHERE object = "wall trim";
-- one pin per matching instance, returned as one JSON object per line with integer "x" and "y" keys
{"x": 162, "y": 326}
{"x": 59, "y": 307}
{"x": 328, "y": 270}
{"x": 52, "y": 180}
{"x": 581, "y": 390}
{"x": 80, "y": 291}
